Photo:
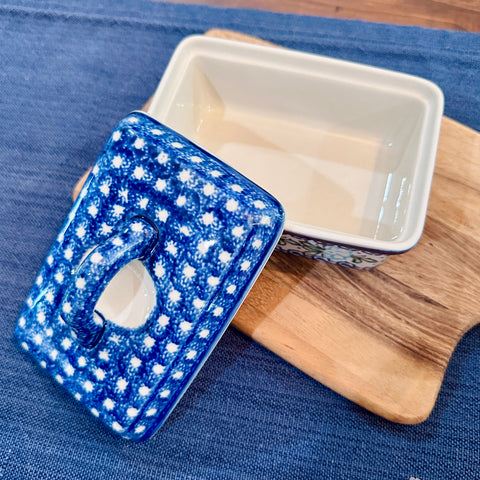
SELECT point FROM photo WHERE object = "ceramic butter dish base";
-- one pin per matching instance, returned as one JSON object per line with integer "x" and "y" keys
{"x": 154, "y": 259}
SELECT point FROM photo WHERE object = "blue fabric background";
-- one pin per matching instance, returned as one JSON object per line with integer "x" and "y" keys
{"x": 69, "y": 71}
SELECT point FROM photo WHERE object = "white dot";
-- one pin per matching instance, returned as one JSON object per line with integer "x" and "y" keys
{"x": 156, "y": 131}
{"x": 265, "y": 220}
{"x": 50, "y": 259}
{"x": 115, "y": 339}
{"x": 118, "y": 242}
{"x": 59, "y": 379}
{"x": 117, "y": 427}
{"x": 218, "y": 311}
{"x": 213, "y": 281}
{"x": 204, "y": 333}
{"x": 122, "y": 384}
{"x": 231, "y": 289}
{"x": 41, "y": 317}
{"x": 191, "y": 354}
{"x": 185, "y": 326}
{"x": 135, "y": 362}
{"x": 189, "y": 271}
{"x": 124, "y": 194}
{"x": 208, "y": 218}
{"x": 172, "y": 347}
{"x": 162, "y": 215}
{"x": 66, "y": 343}
{"x": 171, "y": 248}
{"x": 245, "y": 265}
{"x": 117, "y": 161}
{"x": 105, "y": 188}
{"x": 149, "y": 342}
{"x": 21, "y": 322}
{"x": 259, "y": 204}
{"x": 78, "y": 396}
{"x": 185, "y": 176}
{"x": 232, "y": 205}
{"x": 39, "y": 280}
{"x": 177, "y": 145}
{"x": 158, "y": 369}
{"x": 177, "y": 375}
{"x": 104, "y": 355}
{"x": 69, "y": 370}
{"x": 139, "y": 143}
{"x": 257, "y": 244}
{"x": 80, "y": 283}
{"x": 137, "y": 227}
{"x": 59, "y": 277}
{"x": 215, "y": 173}
{"x": 81, "y": 231}
{"x": 198, "y": 304}
{"x": 163, "y": 320}
{"x": 43, "y": 364}
{"x": 208, "y": 189}
{"x": 49, "y": 297}
{"x": 236, "y": 188}
{"x": 82, "y": 362}
{"x": 118, "y": 210}
{"x": 106, "y": 229}
{"x": 53, "y": 354}
{"x": 224, "y": 256}
{"x": 88, "y": 386}
{"x": 139, "y": 429}
{"x": 164, "y": 393}
{"x": 49, "y": 332}
{"x": 195, "y": 159}
{"x": 95, "y": 412}
{"x": 37, "y": 339}
{"x": 181, "y": 200}
{"x": 238, "y": 231}
{"x": 67, "y": 307}
{"x": 139, "y": 173}
{"x": 25, "y": 346}
{"x": 185, "y": 230}
{"x": 160, "y": 185}
{"x": 68, "y": 254}
{"x": 150, "y": 412}
{"x": 174, "y": 295}
{"x": 92, "y": 210}
{"x": 144, "y": 391}
{"x": 159, "y": 270}
{"x": 109, "y": 404}
{"x": 96, "y": 257}
{"x": 132, "y": 412}
{"x": 143, "y": 203}
{"x": 204, "y": 245}
{"x": 163, "y": 158}
{"x": 116, "y": 135}
{"x": 99, "y": 373}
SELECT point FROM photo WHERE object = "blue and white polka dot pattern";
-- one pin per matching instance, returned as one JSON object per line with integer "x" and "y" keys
{"x": 215, "y": 230}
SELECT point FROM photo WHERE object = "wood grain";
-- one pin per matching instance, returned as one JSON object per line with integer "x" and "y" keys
{"x": 382, "y": 338}
{"x": 451, "y": 14}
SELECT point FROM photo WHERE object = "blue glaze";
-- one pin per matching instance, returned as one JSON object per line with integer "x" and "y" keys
{"x": 202, "y": 231}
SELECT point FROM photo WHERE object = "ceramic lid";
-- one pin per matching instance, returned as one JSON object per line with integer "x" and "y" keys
{"x": 188, "y": 232}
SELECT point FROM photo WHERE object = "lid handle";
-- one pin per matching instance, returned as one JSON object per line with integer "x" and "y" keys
{"x": 135, "y": 241}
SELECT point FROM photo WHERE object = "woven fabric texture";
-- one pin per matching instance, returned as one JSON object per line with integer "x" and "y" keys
{"x": 69, "y": 72}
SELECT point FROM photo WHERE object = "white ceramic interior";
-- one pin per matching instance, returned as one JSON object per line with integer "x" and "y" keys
{"x": 129, "y": 297}
{"x": 348, "y": 149}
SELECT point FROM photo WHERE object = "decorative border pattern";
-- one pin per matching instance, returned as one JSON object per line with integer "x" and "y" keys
{"x": 329, "y": 252}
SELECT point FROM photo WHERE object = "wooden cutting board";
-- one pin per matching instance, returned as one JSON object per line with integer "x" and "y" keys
{"x": 382, "y": 338}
